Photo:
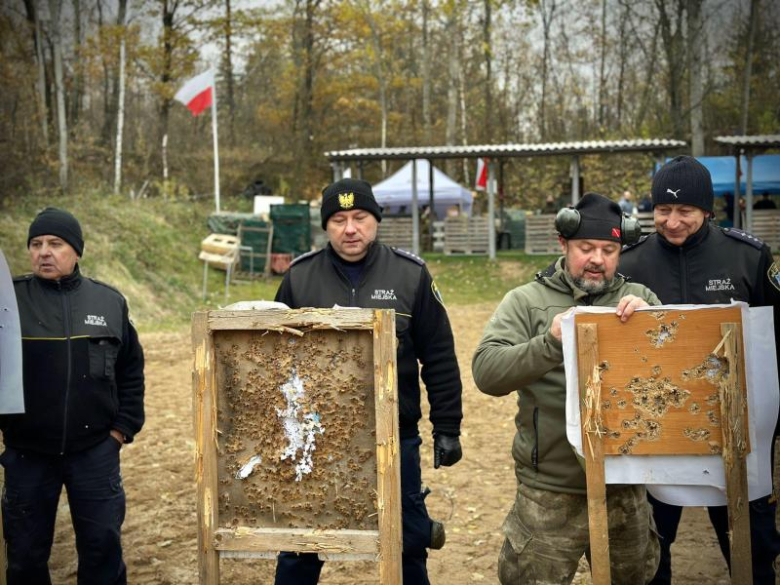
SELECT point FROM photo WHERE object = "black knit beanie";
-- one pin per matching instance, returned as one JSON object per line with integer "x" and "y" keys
{"x": 57, "y": 222}
{"x": 348, "y": 194}
{"x": 600, "y": 219}
{"x": 685, "y": 181}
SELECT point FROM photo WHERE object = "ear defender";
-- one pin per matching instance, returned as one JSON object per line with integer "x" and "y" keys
{"x": 567, "y": 222}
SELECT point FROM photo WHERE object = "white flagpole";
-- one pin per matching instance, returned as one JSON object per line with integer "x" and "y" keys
{"x": 216, "y": 141}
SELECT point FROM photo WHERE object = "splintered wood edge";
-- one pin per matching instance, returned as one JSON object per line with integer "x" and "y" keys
{"x": 205, "y": 414}
{"x": 387, "y": 448}
{"x": 302, "y": 540}
{"x": 291, "y": 320}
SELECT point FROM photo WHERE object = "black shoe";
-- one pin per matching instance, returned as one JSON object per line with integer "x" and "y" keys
{"x": 438, "y": 535}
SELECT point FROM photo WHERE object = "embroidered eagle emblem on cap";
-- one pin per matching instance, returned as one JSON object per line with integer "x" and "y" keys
{"x": 347, "y": 200}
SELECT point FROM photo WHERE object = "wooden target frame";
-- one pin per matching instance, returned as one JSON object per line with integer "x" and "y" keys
{"x": 666, "y": 368}
{"x": 339, "y": 363}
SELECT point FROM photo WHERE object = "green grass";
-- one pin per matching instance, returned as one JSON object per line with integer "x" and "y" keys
{"x": 148, "y": 249}
{"x": 465, "y": 280}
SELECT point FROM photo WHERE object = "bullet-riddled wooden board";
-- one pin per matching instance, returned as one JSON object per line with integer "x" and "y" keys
{"x": 333, "y": 485}
{"x": 296, "y": 422}
{"x": 659, "y": 394}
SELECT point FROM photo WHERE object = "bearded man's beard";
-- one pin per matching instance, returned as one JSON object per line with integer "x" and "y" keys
{"x": 593, "y": 287}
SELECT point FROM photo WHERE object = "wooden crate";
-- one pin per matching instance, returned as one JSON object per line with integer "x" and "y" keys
{"x": 396, "y": 231}
{"x": 466, "y": 235}
{"x": 646, "y": 221}
{"x": 296, "y": 424}
{"x": 541, "y": 236}
{"x": 766, "y": 227}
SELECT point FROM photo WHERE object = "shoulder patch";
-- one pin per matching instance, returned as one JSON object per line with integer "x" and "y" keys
{"x": 437, "y": 293}
{"x": 773, "y": 274}
{"x": 408, "y": 255}
{"x": 306, "y": 255}
{"x": 743, "y": 236}
{"x": 641, "y": 240}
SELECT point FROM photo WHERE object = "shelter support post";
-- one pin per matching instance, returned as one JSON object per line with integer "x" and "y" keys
{"x": 491, "y": 188}
{"x": 749, "y": 193}
{"x": 575, "y": 179}
{"x": 431, "y": 212}
{"x": 415, "y": 212}
{"x": 593, "y": 449}
{"x": 338, "y": 171}
{"x": 737, "y": 193}
{"x": 360, "y": 170}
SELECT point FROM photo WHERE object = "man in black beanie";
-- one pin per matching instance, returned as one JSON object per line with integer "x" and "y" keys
{"x": 83, "y": 377}
{"x": 691, "y": 260}
{"x": 546, "y": 532}
{"x": 356, "y": 270}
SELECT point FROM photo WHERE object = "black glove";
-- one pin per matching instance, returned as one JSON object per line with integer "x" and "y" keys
{"x": 446, "y": 450}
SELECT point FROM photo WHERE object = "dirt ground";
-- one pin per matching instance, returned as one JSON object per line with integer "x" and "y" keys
{"x": 472, "y": 497}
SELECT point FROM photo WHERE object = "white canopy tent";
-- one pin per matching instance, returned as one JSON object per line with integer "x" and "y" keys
{"x": 395, "y": 194}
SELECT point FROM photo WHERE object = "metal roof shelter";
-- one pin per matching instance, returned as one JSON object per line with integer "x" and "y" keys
{"x": 749, "y": 146}
{"x": 497, "y": 153}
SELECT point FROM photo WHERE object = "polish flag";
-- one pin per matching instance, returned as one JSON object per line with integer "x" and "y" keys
{"x": 198, "y": 93}
{"x": 482, "y": 173}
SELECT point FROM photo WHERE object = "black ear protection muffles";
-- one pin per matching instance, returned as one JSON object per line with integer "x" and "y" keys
{"x": 567, "y": 222}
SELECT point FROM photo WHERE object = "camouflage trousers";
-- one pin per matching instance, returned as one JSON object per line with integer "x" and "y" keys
{"x": 547, "y": 534}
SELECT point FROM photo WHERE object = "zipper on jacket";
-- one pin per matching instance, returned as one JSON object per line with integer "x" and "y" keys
{"x": 683, "y": 277}
{"x": 66, "y": 322}
{"x": 535, "y": 450}
{"x": 353, "y": 301}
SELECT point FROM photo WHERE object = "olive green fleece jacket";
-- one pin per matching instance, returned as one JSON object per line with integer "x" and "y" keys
{"x": 519, "y": 353}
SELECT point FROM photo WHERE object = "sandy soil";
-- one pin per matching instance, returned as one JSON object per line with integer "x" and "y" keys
{"x": 472, "y": 497}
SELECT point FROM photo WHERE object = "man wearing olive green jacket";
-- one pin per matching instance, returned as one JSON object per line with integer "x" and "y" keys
{"x": 547, "y": 529}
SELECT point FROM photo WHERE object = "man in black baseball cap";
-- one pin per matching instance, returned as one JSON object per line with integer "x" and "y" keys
{"x": 691, "y": 260}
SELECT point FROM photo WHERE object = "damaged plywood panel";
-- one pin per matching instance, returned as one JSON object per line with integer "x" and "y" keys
{"x": 302, "y": 434}
{"x": 662, "y": 372}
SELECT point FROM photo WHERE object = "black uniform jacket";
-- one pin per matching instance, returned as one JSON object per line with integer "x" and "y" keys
{"x": 392, "y": 279}
{"x": 83, "y": 366}
{"x": 714, "y": 265}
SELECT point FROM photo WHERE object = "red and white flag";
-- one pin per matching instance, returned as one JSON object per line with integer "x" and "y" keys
{"x": 482, "y": 173}
{"x": 198, "y": 93}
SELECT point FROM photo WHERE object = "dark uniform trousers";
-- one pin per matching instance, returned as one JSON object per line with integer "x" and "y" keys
{"x": 96, "y": 499}
{"x": 304, "y": 569}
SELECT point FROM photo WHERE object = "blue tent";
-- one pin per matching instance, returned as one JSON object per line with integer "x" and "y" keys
{"x": 766, "y": 173}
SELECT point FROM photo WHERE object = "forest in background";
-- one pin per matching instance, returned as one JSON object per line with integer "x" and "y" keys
{"x": 297, "y": 78}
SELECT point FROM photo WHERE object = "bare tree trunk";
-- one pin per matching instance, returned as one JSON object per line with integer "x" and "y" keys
{"x": 548, "y": 14}
{"x": 78, "y": 69}
{"x": 695, "y": 44}
{"x": 675, "y": 58}
{"x": 603, "y": 66}
{"x": 463, "y": 120}
{"x": 623, "y": 41}
{"x": 487, "y": 47}
{"x": 228, "y": 66}
{"x": 453, "y": 34}
{"x": 379, "y": 71}
{"x": 754, "y": 11}
{"x": 62, "y": 123}
{"x": 652, "y": 59}
{"x": 426, "y": 74}
{"x": 166, "y": 77}
{"x": 120, "y": 111}
{"x": 41, "y": 82}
